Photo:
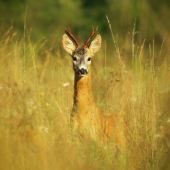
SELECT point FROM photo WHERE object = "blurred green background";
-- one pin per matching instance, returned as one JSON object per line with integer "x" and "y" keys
{"x": 48, "y": 18}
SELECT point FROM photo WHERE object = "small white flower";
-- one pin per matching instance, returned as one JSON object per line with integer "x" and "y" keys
{"x": 66, "y": 84}
{"x": 1, "y": 88}
{"x": 30, "y": 103}
{"x": 43, "y": 129}
{"x": 34, "y": 107}
{"x": 133, "y": 99}
{"x": 157, "y": 136}
{"x": 166, "y": 90}
{"x": 168, "y": 120}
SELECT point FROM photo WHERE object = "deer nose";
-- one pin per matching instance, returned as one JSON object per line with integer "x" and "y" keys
{"x": 82, "y": 71}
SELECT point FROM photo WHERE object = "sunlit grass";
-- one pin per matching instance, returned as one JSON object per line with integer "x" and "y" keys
{"x": 36, "y": 97}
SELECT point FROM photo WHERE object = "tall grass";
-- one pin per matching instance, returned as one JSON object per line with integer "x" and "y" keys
{"x": 36, "y": 102}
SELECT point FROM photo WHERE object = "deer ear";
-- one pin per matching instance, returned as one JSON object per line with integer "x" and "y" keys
{"x": 68, "y": 44}
{"x": 95, "y": 44}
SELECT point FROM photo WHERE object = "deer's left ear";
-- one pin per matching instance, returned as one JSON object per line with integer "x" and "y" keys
{"x": 95, "y": 44}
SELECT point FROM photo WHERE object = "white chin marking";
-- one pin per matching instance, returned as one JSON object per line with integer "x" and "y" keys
{"x": 82, "y": 75}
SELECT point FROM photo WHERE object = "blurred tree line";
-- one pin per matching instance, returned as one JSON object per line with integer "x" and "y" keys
{"x": 50, "y": 17}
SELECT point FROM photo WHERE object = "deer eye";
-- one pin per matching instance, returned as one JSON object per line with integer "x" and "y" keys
{"x": 74, "y": 59}
{"x": 89, "y": 59}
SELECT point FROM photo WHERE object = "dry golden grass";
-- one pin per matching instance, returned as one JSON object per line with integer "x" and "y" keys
{"x": 35, "y": 108}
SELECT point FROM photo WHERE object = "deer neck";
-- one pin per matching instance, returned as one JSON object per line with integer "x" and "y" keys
{"x": 83, "y": 96}
{"x": 84, "y": 107}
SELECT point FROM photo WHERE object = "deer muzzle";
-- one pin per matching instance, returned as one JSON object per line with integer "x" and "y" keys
{"x": 82, "y": 72}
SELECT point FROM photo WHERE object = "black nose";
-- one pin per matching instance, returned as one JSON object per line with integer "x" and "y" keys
{"x": 82, "y": 71}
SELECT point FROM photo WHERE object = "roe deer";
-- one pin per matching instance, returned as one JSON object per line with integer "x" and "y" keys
{"x": 86, "y": 117}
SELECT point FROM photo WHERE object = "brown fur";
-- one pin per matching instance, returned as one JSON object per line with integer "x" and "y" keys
{"x": 88, "y": 118}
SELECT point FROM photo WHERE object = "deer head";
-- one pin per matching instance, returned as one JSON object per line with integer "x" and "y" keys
{"x": 81, "y": 55}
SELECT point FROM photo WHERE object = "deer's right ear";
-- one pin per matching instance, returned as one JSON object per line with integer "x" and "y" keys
{"x": 68, "y": 44}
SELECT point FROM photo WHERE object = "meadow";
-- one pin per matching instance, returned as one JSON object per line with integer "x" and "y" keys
{"x": 36, "y": 97}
